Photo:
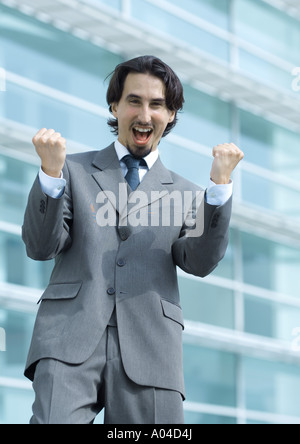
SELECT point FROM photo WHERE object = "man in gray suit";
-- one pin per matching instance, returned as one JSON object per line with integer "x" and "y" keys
{"x": 108, "y": 333}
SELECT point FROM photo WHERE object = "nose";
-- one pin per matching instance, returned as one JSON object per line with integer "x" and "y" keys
{"x": 145, "y": 115}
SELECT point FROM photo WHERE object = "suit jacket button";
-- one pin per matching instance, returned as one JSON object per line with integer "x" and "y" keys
{"x": 124, "y": 233}
{"x": 121, "y": 262}
{"x": 111, "y": 291}
{"x": 215, "y": 220}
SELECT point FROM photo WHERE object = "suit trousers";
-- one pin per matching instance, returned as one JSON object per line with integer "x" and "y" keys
{"x": 75, "y": 394}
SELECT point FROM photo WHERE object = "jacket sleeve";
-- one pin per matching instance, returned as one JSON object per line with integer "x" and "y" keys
{"x": 46, "y": 229}
{"x": 201, "y": 247}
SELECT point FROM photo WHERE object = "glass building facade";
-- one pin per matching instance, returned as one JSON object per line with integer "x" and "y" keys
{"x": 237, "y": 61}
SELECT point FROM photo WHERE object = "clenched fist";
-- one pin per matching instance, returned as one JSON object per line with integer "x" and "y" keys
{"x": 51, "y": 148}
{"x": 226, "y": 158}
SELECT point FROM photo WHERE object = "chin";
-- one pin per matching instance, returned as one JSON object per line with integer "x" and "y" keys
{"x": 139, "y": 151}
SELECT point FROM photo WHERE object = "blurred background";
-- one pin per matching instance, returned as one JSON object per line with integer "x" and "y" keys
{"x": 237, "y": 60}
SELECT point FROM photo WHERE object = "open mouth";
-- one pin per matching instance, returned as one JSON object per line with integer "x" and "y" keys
{"x": 141, "y": 135}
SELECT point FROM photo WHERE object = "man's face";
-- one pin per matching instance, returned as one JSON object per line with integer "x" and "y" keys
{"x": 142, "y": 114}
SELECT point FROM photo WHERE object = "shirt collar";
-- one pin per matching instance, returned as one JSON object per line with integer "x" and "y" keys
{"x": 122, "y": 151}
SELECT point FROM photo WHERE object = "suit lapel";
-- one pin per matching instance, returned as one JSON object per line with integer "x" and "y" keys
{"x": 110, "y": 179}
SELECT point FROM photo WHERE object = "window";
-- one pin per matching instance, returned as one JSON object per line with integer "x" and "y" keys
{"x": 270, "y": 265}
{"x": 206, "y": 303}
{"x": 165, "y": 21}
{"x": 271, "y": 387}
{"x": 268, "y": 28}
{"x": 60, "y": 60}
{"x": 210, "y": 376}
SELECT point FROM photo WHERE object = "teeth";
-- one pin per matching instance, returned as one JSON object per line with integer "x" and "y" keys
{"x": 143, "y": 130}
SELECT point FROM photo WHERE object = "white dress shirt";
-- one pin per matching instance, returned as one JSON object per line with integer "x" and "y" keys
{"x": 54, "y": 187}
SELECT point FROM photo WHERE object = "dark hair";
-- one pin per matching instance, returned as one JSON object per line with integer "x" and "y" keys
{"x": 146, "y": 65}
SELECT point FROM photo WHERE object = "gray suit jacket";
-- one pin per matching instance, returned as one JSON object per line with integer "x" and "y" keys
{"x": 127, "y": 264}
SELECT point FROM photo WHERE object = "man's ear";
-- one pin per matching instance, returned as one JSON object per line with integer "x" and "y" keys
{"x": 172, "y": 116}
{"x": 114, "y": 109}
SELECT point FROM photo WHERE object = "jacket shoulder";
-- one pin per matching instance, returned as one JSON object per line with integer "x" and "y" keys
{"x": 184, "y": 184}
{"x": 89, "y": 159}
{"x": 84, "y": 157}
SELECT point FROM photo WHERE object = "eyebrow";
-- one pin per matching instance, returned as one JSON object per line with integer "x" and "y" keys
{"x": 135, "y": 96}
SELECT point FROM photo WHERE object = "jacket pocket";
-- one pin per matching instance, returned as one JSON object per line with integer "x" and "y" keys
{"x": 172, "y": 311}
{"x": 61, "y": 291}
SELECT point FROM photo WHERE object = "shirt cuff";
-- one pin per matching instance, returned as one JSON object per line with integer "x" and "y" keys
{"x": 218, "y": 194}
{"x": 52, "y": 186}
